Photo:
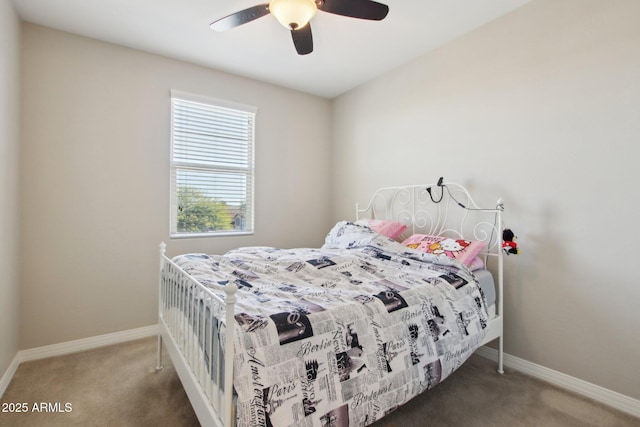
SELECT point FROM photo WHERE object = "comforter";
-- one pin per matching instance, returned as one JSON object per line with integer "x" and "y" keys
{"x": 343, "y": 334}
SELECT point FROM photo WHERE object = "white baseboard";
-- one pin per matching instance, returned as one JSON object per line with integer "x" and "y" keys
{"x": 8, "y": 375}
{"x": 600, "y": 394}
{"x": 86, "y": 343}
{"x": 73, "y": 347}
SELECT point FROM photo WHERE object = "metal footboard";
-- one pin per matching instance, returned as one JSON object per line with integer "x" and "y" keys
{"x": 199, "y": 341}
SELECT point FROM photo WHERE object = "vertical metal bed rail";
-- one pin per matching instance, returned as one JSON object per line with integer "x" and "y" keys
{"x": 229, "y": 352}
{"x": 161, "y": 298}
{"x": 500, "y": 209}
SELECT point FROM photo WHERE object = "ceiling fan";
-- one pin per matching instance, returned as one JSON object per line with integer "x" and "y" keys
{"x": 296, "y": 14}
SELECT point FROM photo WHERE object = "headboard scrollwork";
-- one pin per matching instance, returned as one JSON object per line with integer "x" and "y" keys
{"x": 442, "y": 209}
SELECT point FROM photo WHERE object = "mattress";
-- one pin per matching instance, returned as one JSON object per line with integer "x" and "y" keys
{"x": 485, "y": 279}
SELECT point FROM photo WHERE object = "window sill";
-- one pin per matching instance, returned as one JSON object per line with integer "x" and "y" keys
{"x": 217, "y": 234}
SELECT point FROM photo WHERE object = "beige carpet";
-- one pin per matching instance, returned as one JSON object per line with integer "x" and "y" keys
{"x": 118, "y": 386}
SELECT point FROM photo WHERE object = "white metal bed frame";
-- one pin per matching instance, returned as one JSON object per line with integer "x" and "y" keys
{"x": 182, "y": 327}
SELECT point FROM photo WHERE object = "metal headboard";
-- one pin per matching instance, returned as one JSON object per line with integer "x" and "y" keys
{"x": 442, "y": 209}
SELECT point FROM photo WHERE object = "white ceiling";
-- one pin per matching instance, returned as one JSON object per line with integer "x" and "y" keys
{"x": 347, "y": 52}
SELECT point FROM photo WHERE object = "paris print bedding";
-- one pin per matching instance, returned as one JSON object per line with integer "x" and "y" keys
{"x": 343, "y": 334}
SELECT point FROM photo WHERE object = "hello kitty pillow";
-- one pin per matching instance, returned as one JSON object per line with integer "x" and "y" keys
{"x": 464, "y": 251}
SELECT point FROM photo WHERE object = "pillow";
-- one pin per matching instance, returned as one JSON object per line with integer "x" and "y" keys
{"x": 463, "y": 250}
{"x": 391, "y": 229}
{"x": 476, "y": 264}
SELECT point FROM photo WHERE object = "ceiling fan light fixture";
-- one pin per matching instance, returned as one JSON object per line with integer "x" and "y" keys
{"x": 293, "y": 14}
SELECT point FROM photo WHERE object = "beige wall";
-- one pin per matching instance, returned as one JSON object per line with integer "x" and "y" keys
{"x": 9, "y": 195}
{"x": 95, "y": 158}
{"x": 539, "y": 107}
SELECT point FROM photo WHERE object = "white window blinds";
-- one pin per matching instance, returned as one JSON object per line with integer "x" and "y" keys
{"x": 211, "y": 166}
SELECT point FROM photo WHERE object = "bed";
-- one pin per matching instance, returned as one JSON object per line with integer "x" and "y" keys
{"x": 393, "y": 302}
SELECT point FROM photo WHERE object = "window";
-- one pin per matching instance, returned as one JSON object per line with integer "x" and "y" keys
{"x": 211, "y": 166}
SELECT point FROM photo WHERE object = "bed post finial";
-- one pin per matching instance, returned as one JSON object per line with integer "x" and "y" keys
{"x": 230, "y": 289}
{"x": 162, "y": 250}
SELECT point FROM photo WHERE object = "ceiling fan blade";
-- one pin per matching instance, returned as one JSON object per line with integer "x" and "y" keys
{"x": 362, "y": 9}
{"x": 239, "y": 18}
{"x": 303, "y": 40}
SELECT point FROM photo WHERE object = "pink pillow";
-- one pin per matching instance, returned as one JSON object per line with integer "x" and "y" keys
{"x": 391, "y": 229}
{"x": 463, "y": 250}
{"x": 476, "y": 264}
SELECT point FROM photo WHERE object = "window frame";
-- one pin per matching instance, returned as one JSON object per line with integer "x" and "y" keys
{"x": 176, "y": 165}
